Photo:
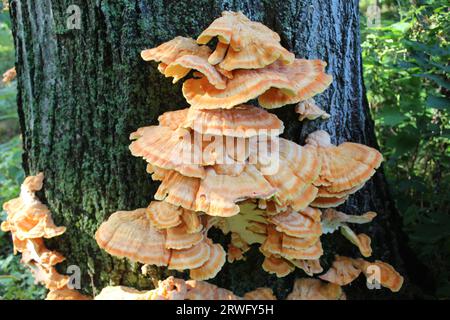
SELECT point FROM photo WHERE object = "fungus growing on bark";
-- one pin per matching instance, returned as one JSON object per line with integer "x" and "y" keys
{"x": 277, "y": 266}
{"x": 243, "y": 44}
{"x": 210, "y": 268}
{"x": 276, "y": 85}
{"x": 345, "y": 168}
{"x": 216, "y": 194}
{"x": 163, "y": 215}
{"x": 342, "y": 272}
{"x": 309, "y": 110}
{"x": 9, "y": 75}
{"x": 243, "y": 121}
{"x": 263, "y": 199}
{"x": 130, "y": 234}
{"x": 345, "y": 270}
{"x": 29, "y": 221}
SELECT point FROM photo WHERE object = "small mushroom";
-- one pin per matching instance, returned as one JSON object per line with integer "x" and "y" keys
{"x": 163, "y": 215}
{"x": 277, "y": 266}
{"x": 342, "y": 272}
{"x": 345, "y": 167}
{"x": 130, "y": 234}
{"x": 308, "y": 109}
{"x": 191, "y": 258}
{"x": 310, "y": 267}
{"x": 252, "y": 45}
{"x": 168, "y": 149}
{"x": 296, "y": 224}
{"x": 212, "y": 266}
{"x": 179, "y": 238}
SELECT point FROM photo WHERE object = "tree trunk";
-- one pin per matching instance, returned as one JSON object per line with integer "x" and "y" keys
{"x": 83, "y": 91}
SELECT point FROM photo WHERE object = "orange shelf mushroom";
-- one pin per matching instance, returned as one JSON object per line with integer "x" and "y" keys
{"x": 345, "y": 270}
{"x": 222, "y": 164}
{"x": 243, "y": 44}
{"x": 30, "y": 221}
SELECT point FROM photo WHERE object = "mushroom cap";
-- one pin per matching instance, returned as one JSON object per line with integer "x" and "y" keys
{"x": 333, "y": 219}
{"x": 342, "y": 272}
{"x": 212, "y": 266}
{"x": 130, "y": 234}
{"x": 252, "y": 45}
{"x": 329, "y": 202}
{"x": 163, "y": 215}
{"x": 291, "y": 169}
{"x": 314, "y": 289}
{"x": 35, "y": 250}
{"x": 296, "y": 224}
{"x": 168, "y": 149}
{"x": 274, "y": 245}
{"x": 66, "y": 294}
{"x": 173, "y": 119}
{"x": 48, "y": 276}
{"x": 218, "y": 54}
{"x": 245, "y": 85}
{"x": 177, "y": 189}
{"x": 362, "y": 241}
{"x": 313, "y": 252}
{"x": 309, "y": 79}
{"x": 292, "y": 190}
{"x": 191, "y": 258}
{"x": 27, "y": 217}
{"x": 215, "y": 195}
{"x": 171, "y": 50}
{"x": 260, "y": 294}
{"x": 346, "y": 166}
{"x": 310, "y": 267}
{"x": 179, "y": 68}
{"x": 30, "y": 221}
{"x": 234, "y": 254}
{"x": 243, "y": 121}
{"x": 308, "y": 109}
{"x": 179, "y": 238}
{"x": 277, "y": 266}
{"x": 192, "y": 221}
{"x": 389, "y": 277}
{"x": 289, "y": 242}
{"x": 218, "y": 194}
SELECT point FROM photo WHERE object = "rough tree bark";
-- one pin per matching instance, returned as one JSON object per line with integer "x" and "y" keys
{"x": 81, "y": 93}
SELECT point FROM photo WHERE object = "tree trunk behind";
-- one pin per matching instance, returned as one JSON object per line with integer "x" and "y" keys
{"x": 82, "y": 92}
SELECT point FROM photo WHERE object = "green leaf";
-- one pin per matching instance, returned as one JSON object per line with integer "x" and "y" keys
{"x": 391, "y": 116}
{"x": 437, "y": 102}
{"x": 433, "y": 77}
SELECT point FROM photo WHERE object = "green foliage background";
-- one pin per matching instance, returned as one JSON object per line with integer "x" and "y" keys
{"x": 406, "y": 73}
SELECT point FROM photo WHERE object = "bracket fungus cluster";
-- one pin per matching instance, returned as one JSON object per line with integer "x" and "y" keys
{"x": 223, "y": 164}
{"x": 30, "y": 222}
